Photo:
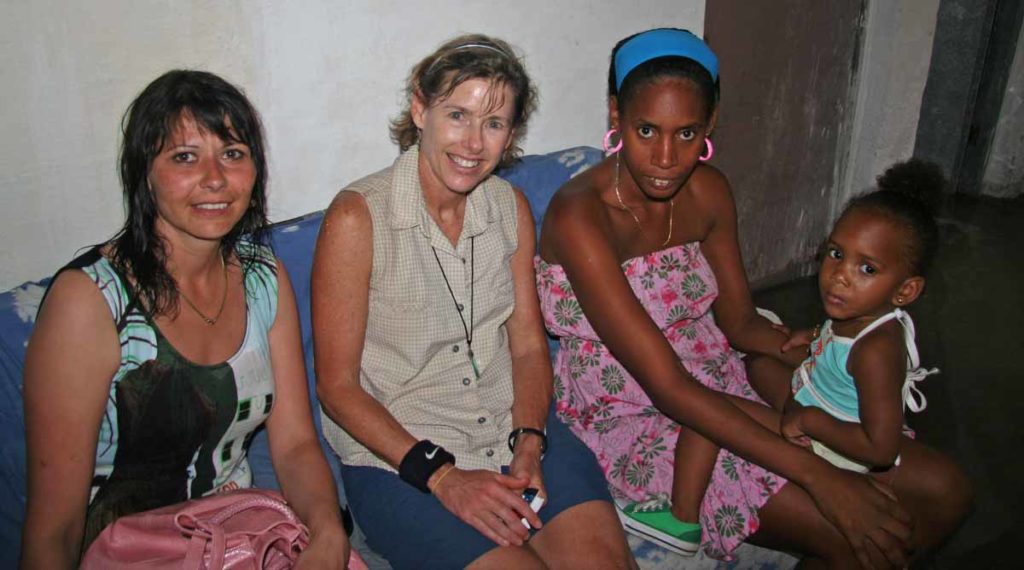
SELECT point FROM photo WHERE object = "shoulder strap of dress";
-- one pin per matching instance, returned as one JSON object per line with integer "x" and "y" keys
{"x": 877, "y": 323}
{"x": 913, "y": 398}
{"x": 90, "y": 257}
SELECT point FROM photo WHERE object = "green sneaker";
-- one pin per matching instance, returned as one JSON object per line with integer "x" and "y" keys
{"x": 653, "y": 521}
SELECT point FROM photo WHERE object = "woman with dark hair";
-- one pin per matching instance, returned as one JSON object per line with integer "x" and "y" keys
{"x": 640, "y": 275}
{"x": 432, "y": 366}
{"x": 157, "y": 354}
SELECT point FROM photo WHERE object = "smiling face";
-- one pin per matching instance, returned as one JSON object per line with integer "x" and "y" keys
{"x": 201, "y": 184}
{"x": 864, "y": 273}
{"x": 463, "y": 136}
{"x": 663, "y": 127}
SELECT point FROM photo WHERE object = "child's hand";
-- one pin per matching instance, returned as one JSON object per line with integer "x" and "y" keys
{"x": 792, "y": 429}
{"x": 781, "y": 328}
{"x": 802, "y": 337}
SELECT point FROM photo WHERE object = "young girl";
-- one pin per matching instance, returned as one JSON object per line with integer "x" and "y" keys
{"x": 847, "y": 398}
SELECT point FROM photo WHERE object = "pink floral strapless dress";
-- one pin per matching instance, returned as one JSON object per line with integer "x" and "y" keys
{"x": 606, "y": 408}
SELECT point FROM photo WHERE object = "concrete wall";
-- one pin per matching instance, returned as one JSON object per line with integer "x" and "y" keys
{"x": 1004, "y": 170}
{"x": 326, "y": 76}
{"x": 891, "y": 78}
{"x": 817, "y": 100}
{"x": 787, "y": 75}
{"x": 949, "y": 102}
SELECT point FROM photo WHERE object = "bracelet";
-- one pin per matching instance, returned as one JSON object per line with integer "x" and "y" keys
{"x": 514, "y": 436}
{"x": 815, "y": 333}
{"x": 442, "y": 476}
{"x": 421, "y": 461}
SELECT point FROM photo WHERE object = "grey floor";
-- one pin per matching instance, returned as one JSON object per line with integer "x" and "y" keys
{"x": 968, "y": 323}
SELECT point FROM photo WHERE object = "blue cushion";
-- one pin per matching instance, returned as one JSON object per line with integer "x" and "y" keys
{"x": 17, "y": 315}
{"x": 539, "y": 176}
{"x": 293, "y": 242}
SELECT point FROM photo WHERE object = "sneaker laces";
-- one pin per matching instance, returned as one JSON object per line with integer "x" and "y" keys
{"x": 656, "y": 502}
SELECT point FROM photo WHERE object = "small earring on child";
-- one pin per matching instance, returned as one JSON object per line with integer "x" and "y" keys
{"x": 899, "y": 300}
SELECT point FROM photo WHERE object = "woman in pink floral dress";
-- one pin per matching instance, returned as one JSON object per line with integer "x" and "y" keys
{"x": 640, "y": 275}
{"x": 610, "y": 412}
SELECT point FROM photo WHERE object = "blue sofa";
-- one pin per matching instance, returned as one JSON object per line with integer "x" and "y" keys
{"x": 538, "y": 175}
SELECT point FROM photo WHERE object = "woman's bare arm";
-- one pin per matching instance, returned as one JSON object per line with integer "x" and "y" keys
{"x": 734, "y": 308}
{"x": 340, "y": 304}
{"x": 294, "y": 448}
{"x": 531, "y": 363}
{"x": 72, "y": 357}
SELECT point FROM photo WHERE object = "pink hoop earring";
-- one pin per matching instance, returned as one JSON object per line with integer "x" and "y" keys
{"x": 711, "y": 151}
{"x": 608, "y": 142}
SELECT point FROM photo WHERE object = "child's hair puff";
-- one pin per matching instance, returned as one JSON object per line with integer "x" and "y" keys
{"x": 909, "y": 193}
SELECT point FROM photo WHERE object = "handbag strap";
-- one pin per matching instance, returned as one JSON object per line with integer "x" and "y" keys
{"x": 205, "y": 537}
{"x": 208, "y": 535}
{"x": 261, "y": 501}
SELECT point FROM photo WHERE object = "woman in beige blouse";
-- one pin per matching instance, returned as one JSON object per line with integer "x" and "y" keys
{"x": 431, "y": 360}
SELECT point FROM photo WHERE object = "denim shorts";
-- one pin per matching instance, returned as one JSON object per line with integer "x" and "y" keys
{"x": 413, "y": 530}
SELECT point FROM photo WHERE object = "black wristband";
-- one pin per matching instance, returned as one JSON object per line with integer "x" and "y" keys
{"x": 420, "y": 463}
{"x": 512, "y": 437}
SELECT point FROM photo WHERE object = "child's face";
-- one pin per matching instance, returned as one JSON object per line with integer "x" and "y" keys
{"x": 864, "y": 273}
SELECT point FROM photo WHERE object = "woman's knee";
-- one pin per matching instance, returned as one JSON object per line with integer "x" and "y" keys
{"x": 791, "y": 521}
{"x": 502, "y": 557}
{"x": 936, "y": 487}
{"x": 587, "y": 535}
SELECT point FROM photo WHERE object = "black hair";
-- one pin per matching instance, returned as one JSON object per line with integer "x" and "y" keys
{"x": 470, "y": 56}
{"x": 216, "y": 106}
{"x": 909, "y": 193}
{"x": 658, "y": 68}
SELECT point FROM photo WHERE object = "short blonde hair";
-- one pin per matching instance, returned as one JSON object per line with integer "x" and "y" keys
{"x": 471, "y": 56}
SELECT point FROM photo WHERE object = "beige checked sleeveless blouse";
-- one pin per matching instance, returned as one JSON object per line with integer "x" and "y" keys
{"x": 415, "y": 360}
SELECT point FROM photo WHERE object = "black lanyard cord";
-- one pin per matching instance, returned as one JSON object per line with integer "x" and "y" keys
{"x": 468, "y": 330}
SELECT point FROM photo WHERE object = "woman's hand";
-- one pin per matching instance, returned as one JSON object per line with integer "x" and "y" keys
{"x": 802, "y": 337}
{"x": 328, "y": 549}
{"x": 867, "y": 514}
{"x": 791, "y": 426}
{"x": 526, "y": 464}
{"x": 489, "y": 502}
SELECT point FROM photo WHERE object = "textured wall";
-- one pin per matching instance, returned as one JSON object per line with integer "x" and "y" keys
{"x": 951, "y": 92}
{"x": 787, "y": 71}
{"x": 893, "y": 70}
{"x": 326, "y": 76}
{"x": 1004, "y": 170}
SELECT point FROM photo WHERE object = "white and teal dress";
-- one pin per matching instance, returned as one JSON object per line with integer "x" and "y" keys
{"x": 823, "y": 381}
{"x": 173, "y": 429}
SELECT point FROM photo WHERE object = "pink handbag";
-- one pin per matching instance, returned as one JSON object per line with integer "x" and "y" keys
{"x": 244, "y": 529}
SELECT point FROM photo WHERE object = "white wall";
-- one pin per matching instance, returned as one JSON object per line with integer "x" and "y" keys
{"x": 326, "y": 76}
{"x": 895, "y": 58}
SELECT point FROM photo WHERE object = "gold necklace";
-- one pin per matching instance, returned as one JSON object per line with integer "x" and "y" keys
{"x": 208, "y": 320}
{"x": 671, "y": 208}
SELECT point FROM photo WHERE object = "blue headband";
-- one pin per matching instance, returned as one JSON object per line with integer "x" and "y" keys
{"x": 657, "y": 43}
